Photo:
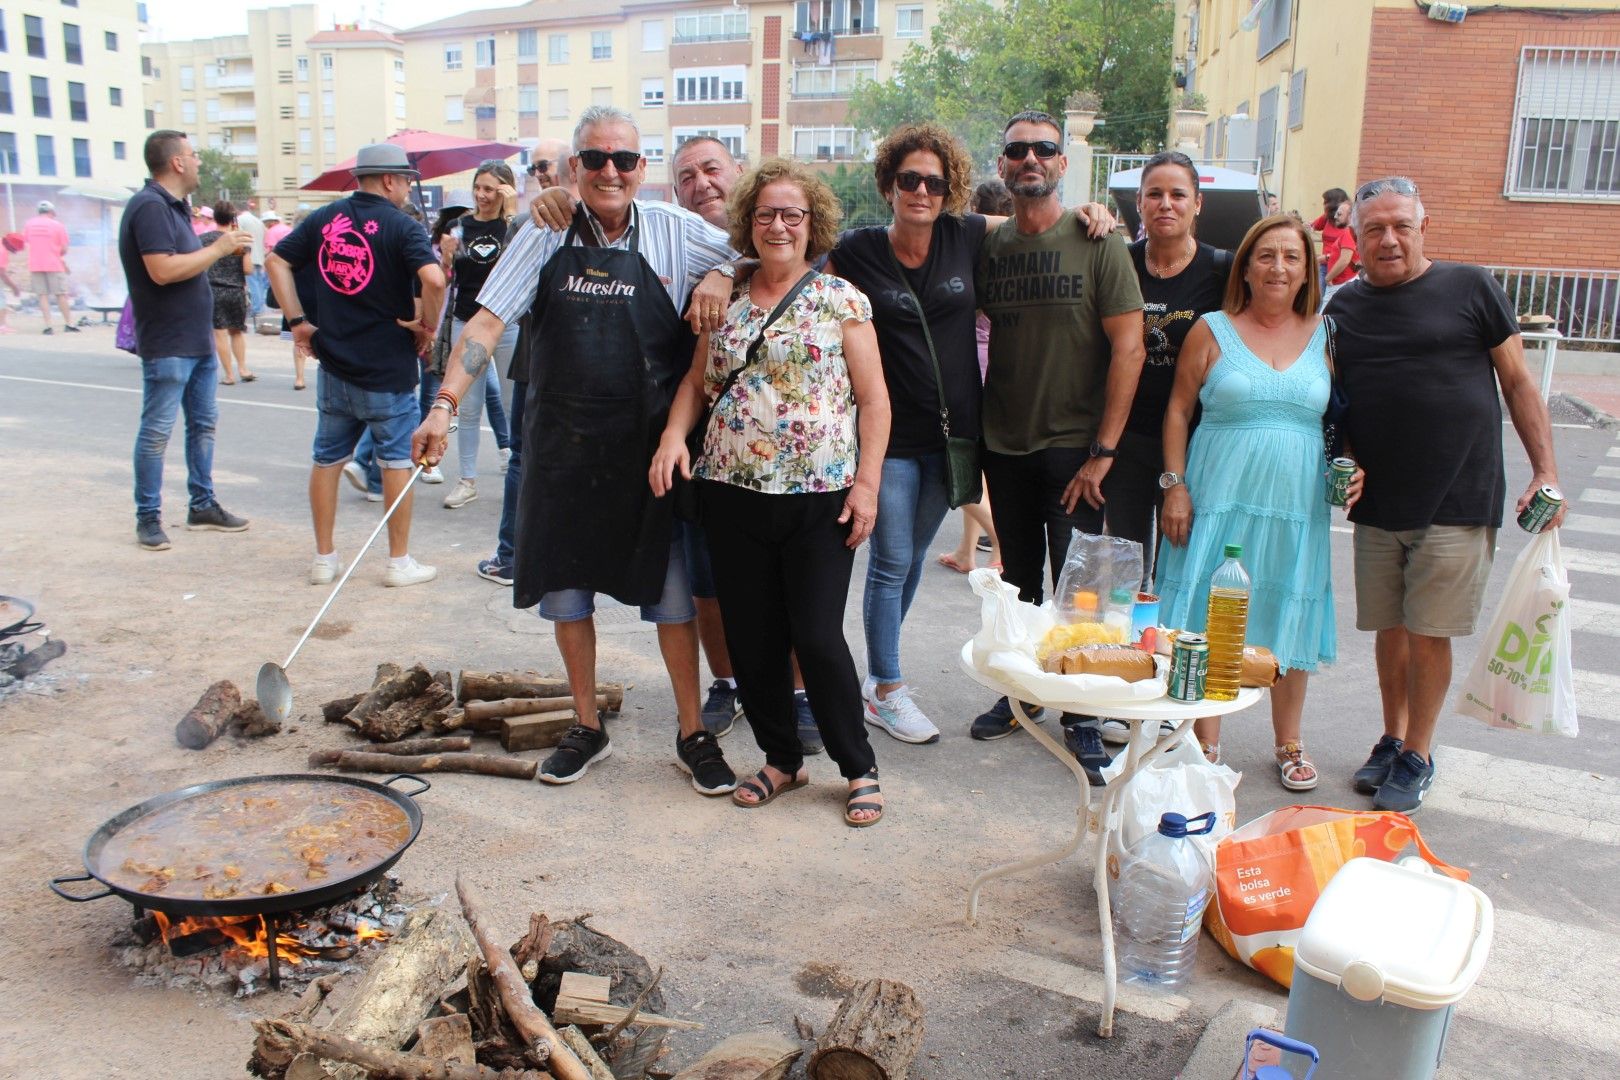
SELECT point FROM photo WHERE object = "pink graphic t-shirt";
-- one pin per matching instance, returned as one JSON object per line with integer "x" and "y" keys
{"x": 47, "y": 241}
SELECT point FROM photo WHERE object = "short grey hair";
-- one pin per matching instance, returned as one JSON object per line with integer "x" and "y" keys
{"x": 1404, "y": 186}
{"x": 603, "y": 114}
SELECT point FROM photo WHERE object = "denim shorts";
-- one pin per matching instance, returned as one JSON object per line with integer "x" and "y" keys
{"x": 347, "y": 410}
{"x": 675, "y": 606}
{"x": 695, "y": 548}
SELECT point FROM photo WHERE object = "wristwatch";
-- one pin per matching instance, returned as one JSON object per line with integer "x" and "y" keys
{"x": 1099, "y": 450}
{"x": 1168, "y": 480}
{"x": 727, "y": 270}
{"x": 297, "y": 320}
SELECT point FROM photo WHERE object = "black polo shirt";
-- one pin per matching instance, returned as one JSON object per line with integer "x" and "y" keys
{"x": 175, "y": 319}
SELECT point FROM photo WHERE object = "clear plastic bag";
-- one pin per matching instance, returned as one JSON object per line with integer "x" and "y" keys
{"x": 1096, "y": 570}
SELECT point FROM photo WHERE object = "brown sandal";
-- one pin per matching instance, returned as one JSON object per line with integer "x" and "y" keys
{"x": 852, "y": 802}
{"x": 764, "y": 791}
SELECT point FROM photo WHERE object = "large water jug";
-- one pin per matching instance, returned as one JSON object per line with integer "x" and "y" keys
{"x": 1163, "y": 890}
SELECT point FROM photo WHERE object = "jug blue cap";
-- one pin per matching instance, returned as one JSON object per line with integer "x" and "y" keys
{"x": 1177, "y": 826}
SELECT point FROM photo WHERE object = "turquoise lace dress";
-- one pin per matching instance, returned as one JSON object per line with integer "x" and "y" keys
{"x": 1256, "y": 476}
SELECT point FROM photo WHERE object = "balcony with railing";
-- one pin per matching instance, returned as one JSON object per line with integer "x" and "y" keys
{"x": 238, "y": 116}
{"x": 243, "y": 150}
{"x": 236, "y": 81}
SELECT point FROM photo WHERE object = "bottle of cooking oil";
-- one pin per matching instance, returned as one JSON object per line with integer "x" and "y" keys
{"x": 1227, "y": 623}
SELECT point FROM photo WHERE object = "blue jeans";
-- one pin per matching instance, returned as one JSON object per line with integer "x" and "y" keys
{"x": 348, "y": 411}
{"x": 674, "y": 606}
{"x": 911, "y": 504}
{"x": 506, "y": 534}
{"x": 171, "y": 383}
{"x": 258, "y": 284}
{"x": 486, "y": 391}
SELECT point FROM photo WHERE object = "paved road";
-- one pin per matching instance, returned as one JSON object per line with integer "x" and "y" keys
{"x": 1537, "y": 820}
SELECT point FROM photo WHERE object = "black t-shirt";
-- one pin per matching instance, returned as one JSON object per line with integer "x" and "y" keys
{"x": 481, "y": 244}
{"x": 944, "y": 283}
{"x": 1170, "y": 307}
{"x": 367, "y": 253}
{"x": 1424, "y": 418}
{"x": 175, "y": 319}
{"x": 228, "y": 272}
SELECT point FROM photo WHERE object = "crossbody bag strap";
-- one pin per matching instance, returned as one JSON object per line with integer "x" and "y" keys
{"x": 939, "y": 380}
{"x": 759, "y": 339}
{"x": 1332, "y": 351}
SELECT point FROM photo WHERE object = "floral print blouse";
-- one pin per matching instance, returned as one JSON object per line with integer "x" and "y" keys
{"x": 787, "y": 425}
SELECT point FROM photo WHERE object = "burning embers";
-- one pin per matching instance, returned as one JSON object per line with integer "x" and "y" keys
{"x": 246, "y": 954}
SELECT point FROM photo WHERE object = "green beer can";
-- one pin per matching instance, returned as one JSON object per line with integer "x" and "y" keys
{"x": 1544, "y": 506}
{"x": 1189, "y": 665}
{"x": 1340, "y": 472}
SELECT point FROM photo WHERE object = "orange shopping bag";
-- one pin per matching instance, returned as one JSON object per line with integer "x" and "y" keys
{"x": 1269, "y": 873}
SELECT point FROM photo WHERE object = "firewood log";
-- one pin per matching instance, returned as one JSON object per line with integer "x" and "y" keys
{"x": 447, "y": 1039}
{"x": 536, "y": 730}
{"x": 485, "y": 715}
{"x": 498, "y": 685}
{"x": 449, "y": 745}
{"x": 753, "y": 1055}
{"x": 405, "y": 716}
{"x": 377, "y": 1062}
{"x": 478, "y": 764}
{"x": 250, "y": 722}
{"x": 874, "y": 1035}
{"x": 210, "y": 716}
{"x": 392, "y": 688}
{"x": 335, "y": 710}
{"x": 582, "y": 1048}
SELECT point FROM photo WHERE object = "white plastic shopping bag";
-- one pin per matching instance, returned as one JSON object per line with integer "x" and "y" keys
{"x": 1524, "y": 676}
{"x": 1179, "y": 781}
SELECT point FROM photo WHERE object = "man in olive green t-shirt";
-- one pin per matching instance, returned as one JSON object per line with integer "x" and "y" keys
{"x": 1065, "y": 353}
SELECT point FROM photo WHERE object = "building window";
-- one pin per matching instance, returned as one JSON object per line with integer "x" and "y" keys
{"x": 557, "y": 104}
{"x": 528, "y": 46}
{"x": 119, "y": 152}
{"x": 303, "y": 106}
{"x": 831, "y": 144}
{"x": 211, "y": 110}
{"x": 529, "y": 99}
{"x": 306, "y": 141}
{"x": 731, "y": 137}
{"x": 715, "y": 24}
{"x": 188, "y": 78}
{"x": 5, "y": 93}
{"x": 115, "y": 97}
{"x": 1276, "y": 23}
{"x": 306, "y": 173}
{"x": 908, "y": 21}
{"x": 1265, "y": 129}
{"x": 3, "y": 45}
{"x": 110, "y": 40}
{"x": 455, "y": 109}
{"x": 484, "y": 52}
{"x": 328, "y": 103}
{"x": 1296, "y": 100}
{"x": 1566, "y": 136}
{"x": 452, "y": 56}
{"x": 211, "y": 75}
{"x": 326, "y": 67}
{"x": 708, "y": 85}
{"x": 399, "y": 106}
{"x": 835, "y": 16}
{"x": 399, "y": 71}
{"x": 833, "y": 80}
{"x": 302, "y": 66}
{"x": 652, "y": 35}
{"x": 484, "y": 112}
{"x": 601, "y": 44}
{"x": 9, "y": 165}
{"x": 45, "y": 147}
{"x": 652, "y": 148}
{"x": 188, "y": 112}
{"x": 78, "y": 106}
{"x": 329, "y": 142}
{"x": 81, "y": 157}
{"x": 42, "y": 95}
{"x": 150, "y": 116}
{"x": 72, "y": 46}
{"x": 652, "y": 94}
{"x": 34, "y": 32}
{"x": 557, "y": 48}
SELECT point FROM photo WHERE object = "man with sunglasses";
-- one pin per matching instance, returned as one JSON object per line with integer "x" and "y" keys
{"x": 603, "y": 300}
{"x": 1421, "y": 348}
{"x": 1065, "y": 354}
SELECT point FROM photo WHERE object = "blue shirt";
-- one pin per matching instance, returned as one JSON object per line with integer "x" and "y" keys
{"x": 175, "y": 319}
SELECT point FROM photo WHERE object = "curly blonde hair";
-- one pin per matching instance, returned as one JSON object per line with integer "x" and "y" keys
{"x": 825, "y": 210}
{"x": 937, "y": 140}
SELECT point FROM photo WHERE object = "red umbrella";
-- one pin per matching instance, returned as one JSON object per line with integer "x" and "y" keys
{"x": 429, "y": 153}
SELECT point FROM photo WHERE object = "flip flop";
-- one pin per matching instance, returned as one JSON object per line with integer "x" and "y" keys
{"x": 948, "y": 560}
{"x": 227, "y": 382}
{"x": 248, "y": 376}
{"x": 853, "y": 803}
{"x": 764, "y": 791}
{"x": 299, "y": 386}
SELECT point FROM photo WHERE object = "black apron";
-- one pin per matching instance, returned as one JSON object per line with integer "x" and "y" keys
{"x": 609, "y": 351}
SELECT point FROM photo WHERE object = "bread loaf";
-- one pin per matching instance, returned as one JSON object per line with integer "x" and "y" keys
{"x": 1120, "y": 661}
{"x": 1260, "y": 667}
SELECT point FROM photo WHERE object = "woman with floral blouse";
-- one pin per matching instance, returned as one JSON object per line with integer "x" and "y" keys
{"x": 788, "y": 476}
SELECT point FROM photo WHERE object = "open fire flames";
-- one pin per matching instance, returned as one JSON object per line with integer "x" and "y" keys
{"x": 250, "y": 935}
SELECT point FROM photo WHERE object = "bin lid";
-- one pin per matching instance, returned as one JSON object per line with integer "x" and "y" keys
{"x": 1399, "y": 934}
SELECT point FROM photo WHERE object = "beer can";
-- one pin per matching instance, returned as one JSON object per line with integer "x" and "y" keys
{"x": 1544, "y": 506}
{"x": 1189, "y": 664}
{"x": 1340, "y": 472}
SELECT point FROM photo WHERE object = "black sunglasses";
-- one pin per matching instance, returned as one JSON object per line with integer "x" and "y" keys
{"x": 623, "y": 160}
{"x": 1400, "y": 185}
{"x": 911, "y": 181}
{"x": 1018, "y": 151}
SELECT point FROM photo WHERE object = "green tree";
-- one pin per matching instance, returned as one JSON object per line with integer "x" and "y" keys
{"x": 857, "y": 191}
{"x": 219, "y": 177}
{"x": 985, "y": 61}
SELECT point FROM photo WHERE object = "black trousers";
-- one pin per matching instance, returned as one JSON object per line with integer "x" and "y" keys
{"x": 1133, "y": 496}
{"x": 781, "y": 574}
{"x": 1026, "y": 503}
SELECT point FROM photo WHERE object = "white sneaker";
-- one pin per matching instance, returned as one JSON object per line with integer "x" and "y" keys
{"x": 463, "y": 493}
{"x": 898, "y": 714}
{"x": 323, "y": 571}
{"x": 1115, "y": 732}
{"x": 505, "y": 455}
{"x": 412, "y": 573}
{"x": 374, "y": 496}
{"x": 432, "y": 476}
{"x": 354, "y": 474}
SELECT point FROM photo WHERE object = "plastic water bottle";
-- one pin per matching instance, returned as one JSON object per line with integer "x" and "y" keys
{"x": 1226, "y": 625}
{"x": 1163, "y": 890}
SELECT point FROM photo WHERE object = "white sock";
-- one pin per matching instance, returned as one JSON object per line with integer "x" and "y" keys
{"x": 401, "y": 563}
{"x": 330, "y": 559}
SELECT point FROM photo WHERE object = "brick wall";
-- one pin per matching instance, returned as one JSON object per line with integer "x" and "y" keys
{"x": 1439, "y": 109}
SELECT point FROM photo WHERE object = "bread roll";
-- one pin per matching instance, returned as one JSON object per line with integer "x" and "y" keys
{"x": 1260, "y": 667}
{"x": 1121, "y": 661}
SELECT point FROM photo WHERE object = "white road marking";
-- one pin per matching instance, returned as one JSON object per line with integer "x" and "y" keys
{"x": 1542, "y": 978}
{"x": 1614, "y": 451}
{"x": 1594, "y": 616}
{"x": 1597, "y": 696}
{"x": 1600, "y": 495}
{"x": 1607, "y": 472}
{"x": 1078, "y": 982}
{"x": 1346, "y": 529}
{"x": 1582, "y": 561}
{"x": 137, "y": 390}
{"x": 1546, "y": 798}
{"x": 1591, "y": 523}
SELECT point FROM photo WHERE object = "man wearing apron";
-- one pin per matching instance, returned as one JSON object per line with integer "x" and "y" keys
{"x": 603, "y": 301}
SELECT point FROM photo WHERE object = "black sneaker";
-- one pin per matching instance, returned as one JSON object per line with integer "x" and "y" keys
{"x": 997, "y": 722}
{"x": 1084, "y": 740}
{"x": 701, "y": 758}
{"x": 1371, "y": 776}
{"x": 579, "y": 749}
{"x": 47, "y": 331}
{"x": 1409, "y": 780}
{"x": 215, "y": 518}
{"x": 70, "y": 328}
{"x": 150, "y": 535}
{"x": 809, "y": 734}
{"x": 722, "y": 709}
{"x": 983, "y": 544}
{"x": 495, "y": 570}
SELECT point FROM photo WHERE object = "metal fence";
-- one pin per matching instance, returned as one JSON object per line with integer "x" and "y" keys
{"x": 1584, "y": 303}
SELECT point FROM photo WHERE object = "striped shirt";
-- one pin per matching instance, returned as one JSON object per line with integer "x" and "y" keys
{"x": 679, "y": 246}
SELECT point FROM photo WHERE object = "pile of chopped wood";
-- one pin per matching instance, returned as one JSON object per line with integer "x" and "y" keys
{"x": 220, "y": 709}
{"x": 526, "y": 711}
{"x": 445, "y": 1002}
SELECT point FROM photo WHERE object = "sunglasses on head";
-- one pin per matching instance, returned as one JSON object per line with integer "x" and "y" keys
{"x": 911, "y": 181}
{"x": 623, "y": 160}
{"x": 1400, "y": 185}
{"x": 1018, "y": 151}
{"x": 790, "y": 215}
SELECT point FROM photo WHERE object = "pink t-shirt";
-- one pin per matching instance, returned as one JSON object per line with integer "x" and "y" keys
{"x": 47, "y": 241}
{"x": 273, "y": 235}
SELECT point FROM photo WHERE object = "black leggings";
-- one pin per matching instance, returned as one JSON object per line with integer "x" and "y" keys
{"x": 1133, "y": 496}
{"x": 781, "y": 574}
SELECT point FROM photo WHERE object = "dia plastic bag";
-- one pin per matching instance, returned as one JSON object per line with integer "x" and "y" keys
{"x": 1524, "y": 676}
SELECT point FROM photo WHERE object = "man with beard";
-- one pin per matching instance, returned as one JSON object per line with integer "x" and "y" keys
{"x": 1065, "y": 353}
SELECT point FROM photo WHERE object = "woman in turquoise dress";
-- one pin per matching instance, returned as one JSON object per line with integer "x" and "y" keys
{"x": 1254, "y": 473}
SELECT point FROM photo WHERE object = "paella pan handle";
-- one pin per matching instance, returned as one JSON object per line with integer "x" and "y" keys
{"x": 57, "y": 883}
{"x": 407, "y": 776}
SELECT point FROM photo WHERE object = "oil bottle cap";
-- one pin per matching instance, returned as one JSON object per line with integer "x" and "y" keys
{"x": 1234, "y": 551}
